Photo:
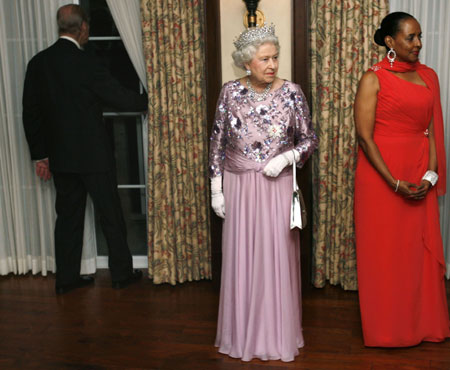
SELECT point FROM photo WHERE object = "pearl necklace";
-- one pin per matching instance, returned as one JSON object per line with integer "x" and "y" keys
{"x": 256, "y": 95}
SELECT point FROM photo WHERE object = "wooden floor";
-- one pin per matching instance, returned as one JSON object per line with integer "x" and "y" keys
{"x": 164, "y": 327}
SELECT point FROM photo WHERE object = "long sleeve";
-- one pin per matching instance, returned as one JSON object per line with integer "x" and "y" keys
{"x": 305, "y": 139}
{"x": 32, "y": 115}
{"x": 218, "y": 137}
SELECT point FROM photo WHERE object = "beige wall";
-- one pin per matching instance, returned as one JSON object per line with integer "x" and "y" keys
{"x": 278, "y": 12}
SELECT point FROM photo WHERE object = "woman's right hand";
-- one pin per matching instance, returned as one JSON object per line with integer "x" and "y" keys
{"x": 217, "y": 198}
{"x": 218, "y": 204}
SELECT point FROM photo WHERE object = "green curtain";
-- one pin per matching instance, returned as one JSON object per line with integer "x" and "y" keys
{"x": 178, "y": 207}
{"x": 342, "y": 49}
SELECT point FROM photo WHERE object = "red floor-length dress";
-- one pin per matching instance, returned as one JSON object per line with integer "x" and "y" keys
{"x": 399, "y": 247}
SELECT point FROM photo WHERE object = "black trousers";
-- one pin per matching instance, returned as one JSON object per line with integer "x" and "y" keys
{"x": 71, "y": 195}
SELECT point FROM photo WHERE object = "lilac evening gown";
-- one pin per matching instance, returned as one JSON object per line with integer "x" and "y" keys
{"x": 260, "y": 296}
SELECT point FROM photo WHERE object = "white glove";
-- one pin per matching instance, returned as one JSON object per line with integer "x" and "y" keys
{"x": 278, "y": 163}
{"x": 217, "y": 199}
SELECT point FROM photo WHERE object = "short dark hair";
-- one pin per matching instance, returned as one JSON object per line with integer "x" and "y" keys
{"x": 390, "y": 25}
{"x": 70, "y": 18}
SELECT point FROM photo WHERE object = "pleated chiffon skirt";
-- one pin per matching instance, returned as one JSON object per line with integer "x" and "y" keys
{"x": 260, "y": 295}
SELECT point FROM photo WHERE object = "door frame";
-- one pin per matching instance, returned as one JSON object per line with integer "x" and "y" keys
{"x": 300, "y": 75}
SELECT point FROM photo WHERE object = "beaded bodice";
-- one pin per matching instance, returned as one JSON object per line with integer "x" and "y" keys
{"x": 259, "y": 130}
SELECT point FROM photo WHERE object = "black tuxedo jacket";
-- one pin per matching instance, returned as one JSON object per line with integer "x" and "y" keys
{"x": 64, "y": 92}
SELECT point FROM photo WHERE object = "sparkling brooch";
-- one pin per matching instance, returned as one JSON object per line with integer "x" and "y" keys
{"x": 275, "y": 131}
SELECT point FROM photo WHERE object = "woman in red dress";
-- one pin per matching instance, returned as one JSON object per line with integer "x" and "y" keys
{"x": 400, "y": 173}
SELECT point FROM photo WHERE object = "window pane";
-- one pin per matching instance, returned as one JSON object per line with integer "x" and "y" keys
{"x": 126, "y": 136}
{"x": 113, "y": 55}
{"x": 127, "y": 141}
{"x": 125, "y": 132}
{"x": 133, "y": 205}
{"x": 101, "y": 21}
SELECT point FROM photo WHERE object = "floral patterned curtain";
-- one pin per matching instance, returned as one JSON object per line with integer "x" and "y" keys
{"x": 342, "y": 49}
{"x": 178, "y": 207}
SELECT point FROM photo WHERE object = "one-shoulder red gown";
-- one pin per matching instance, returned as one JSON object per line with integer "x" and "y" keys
{"x": 398, "y": 242}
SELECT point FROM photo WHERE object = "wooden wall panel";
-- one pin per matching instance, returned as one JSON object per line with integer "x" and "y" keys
{"x": 213, "y": 86}
{"x": 300, "y": 73}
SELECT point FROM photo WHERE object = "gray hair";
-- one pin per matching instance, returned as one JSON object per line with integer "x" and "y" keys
{"x": 70, "y": 17}
{"x": 247, "y": 53}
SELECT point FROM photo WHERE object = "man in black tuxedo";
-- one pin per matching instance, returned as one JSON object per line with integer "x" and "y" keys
{"x": 62, "y": 115}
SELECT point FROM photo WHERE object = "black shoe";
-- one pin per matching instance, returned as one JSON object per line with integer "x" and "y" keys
{"x": 81, "y": 282}
{"x": 135, "y": 276}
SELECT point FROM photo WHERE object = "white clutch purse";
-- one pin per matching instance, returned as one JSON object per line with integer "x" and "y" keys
{"x": 298, "y": 209}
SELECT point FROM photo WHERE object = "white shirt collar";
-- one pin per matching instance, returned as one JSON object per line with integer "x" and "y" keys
{"x": 71, "y": 39}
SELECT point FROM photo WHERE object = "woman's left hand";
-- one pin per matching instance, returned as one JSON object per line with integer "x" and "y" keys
{"x": 421, "y": 191}
{"x": 275, "y": 166}
{"x": 279, "y": 162}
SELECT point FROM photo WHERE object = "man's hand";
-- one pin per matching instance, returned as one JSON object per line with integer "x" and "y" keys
{"x": 43, "y": 170}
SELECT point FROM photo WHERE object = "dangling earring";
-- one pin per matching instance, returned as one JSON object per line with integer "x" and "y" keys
{"x": 391, "y": 54}
{"x": 248, "y": 72}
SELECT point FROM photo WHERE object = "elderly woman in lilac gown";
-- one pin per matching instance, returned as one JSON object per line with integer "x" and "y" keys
{"x": 262, "y": 126}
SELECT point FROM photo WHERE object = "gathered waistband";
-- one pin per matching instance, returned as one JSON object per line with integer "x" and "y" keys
{"x": 236, "y": 163}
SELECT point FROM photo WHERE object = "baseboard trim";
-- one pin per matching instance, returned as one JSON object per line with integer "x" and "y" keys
{"x": 139, "y": 262}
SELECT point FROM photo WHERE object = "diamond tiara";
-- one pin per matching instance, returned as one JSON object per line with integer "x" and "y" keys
{"x": 253, "y": 34}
